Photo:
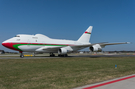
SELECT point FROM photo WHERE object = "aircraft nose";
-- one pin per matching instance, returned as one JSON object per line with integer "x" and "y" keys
{"x": 4, "y": 44}
{"x": 9, "y": 45}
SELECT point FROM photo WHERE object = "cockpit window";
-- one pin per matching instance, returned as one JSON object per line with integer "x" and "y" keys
{"x": 17, "y": 36}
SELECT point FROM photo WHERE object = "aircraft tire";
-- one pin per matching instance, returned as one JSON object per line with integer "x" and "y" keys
{"x": 52, "y": 55}
{"x": 65, "y": 55}
{"x": 21, "y": 56}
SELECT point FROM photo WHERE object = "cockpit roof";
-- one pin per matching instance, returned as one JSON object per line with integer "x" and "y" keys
{"x": 36, "y": 35}
{"x": 18, "y": 35}
{"x": 41, "y": 35}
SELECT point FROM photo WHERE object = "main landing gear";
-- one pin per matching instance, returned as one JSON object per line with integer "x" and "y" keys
{"x": 21, "y": 55}
{"x": 52, "y": 55}
{"x": 64, "y": 55}
{"x": 34, "y": 54}
{"x": 59, "y": 55}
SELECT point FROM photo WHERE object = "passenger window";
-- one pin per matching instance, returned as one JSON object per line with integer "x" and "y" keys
{"x": 35, "y": 37}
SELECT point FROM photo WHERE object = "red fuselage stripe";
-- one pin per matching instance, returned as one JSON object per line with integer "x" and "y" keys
{"x": 10, "y": 45}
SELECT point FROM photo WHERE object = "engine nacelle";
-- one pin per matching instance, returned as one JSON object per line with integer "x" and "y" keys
{"x": 62, "y": 51}
{"x": 96, "y": 48}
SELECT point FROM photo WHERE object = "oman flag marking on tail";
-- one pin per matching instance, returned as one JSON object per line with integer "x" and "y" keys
{"x": 87, "y": 32}
{"x": 85, "y": 38}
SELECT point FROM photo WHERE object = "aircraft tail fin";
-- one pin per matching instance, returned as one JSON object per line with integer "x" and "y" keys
{"x": 86, "y": 35}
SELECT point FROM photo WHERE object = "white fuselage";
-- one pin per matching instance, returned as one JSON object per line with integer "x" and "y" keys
{"x": 33, "y": 43}
{"x": 42, "y": 43}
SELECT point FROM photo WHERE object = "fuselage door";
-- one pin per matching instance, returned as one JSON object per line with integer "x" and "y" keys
{"x": 28, "y": 42}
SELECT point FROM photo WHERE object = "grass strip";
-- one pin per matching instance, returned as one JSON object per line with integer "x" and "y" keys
{"x": 61, "y": 73}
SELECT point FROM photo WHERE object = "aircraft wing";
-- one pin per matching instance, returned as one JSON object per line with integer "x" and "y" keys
{"x": 48, "y": 48}
{"x": 95, "y": 44}
{"x": 105, "y": 44}
{"x": 76, "y": 47}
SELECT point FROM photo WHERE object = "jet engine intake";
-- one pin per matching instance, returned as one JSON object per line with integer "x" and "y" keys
{"x": 62, "y": 51}
{"x": 96, "y": 48}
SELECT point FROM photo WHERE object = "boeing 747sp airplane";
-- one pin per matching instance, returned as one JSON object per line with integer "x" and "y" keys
{"x": 42, "y": 43}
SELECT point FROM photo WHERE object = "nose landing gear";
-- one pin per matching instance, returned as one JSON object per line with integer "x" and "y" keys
{"x": 21, "y": 55}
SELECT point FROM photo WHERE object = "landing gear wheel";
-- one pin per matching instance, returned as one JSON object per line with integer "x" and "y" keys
{"x": 52, "y": 55}
{"x": 58, "y": 55}
{"x": 22, "y": 56}
{"x": 65, "y": 55}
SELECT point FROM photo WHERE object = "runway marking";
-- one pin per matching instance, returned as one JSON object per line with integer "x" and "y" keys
{"x": 106, "y": 83}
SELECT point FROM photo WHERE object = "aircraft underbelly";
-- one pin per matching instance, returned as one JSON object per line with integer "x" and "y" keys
{"x": 32, "y": 48}
{"x": 28, "y": 48}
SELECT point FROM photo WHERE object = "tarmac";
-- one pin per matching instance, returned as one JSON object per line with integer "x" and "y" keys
{"x": 46, "y": 56}
{"x": 126, "y": 82}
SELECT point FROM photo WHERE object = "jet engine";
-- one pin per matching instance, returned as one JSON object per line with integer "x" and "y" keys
{"x": 96, "y": 48}
{"x": 62, "y": 51}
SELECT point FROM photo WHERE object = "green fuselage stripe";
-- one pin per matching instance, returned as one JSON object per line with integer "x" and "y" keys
{"x": 88, "y": 33}
{"x": 17, "y": 45}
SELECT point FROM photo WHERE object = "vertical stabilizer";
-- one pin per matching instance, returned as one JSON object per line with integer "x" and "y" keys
{"x": 86, "y": 35}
